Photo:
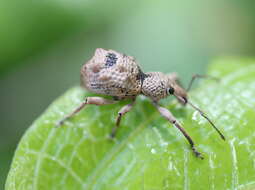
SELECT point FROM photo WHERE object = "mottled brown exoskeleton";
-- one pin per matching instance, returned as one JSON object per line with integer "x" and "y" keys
{"x": 118, "y": 75}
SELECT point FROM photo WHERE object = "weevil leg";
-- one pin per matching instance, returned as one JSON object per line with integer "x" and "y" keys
{"x": 89, "y": 100}
{"x": 169, "y": 116}
{"x": 121, "y": 113}
{"x": 174, "y": 77}
{"x": 200, "y": 76}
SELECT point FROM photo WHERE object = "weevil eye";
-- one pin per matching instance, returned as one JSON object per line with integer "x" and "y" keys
{"x": 170, "y": 90}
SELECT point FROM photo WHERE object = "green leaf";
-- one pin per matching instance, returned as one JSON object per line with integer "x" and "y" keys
{"x": 148, "y": 152}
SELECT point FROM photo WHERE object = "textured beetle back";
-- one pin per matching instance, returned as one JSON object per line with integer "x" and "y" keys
{"x": 111, "y": 73}
{"x": 155, "y": 85}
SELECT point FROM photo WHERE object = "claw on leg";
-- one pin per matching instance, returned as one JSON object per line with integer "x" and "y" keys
{"x": 197, "y": 154}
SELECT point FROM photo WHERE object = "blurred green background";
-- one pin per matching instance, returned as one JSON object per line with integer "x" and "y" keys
{"x": 44, "y": 43}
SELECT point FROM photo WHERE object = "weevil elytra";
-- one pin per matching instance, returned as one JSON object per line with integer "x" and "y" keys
{"x": 118, "y": 75}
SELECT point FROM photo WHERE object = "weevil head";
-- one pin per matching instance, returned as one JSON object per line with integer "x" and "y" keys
{"x": 174, "y": 88}
{"x": 157, "y": 85}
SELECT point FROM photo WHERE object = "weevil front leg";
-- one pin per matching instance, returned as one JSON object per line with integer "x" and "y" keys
{"x": 89, "y": 100}
{"x": 200, "y": 76}
{"x": 169, "y": 116}
{"x": 121, "y": 113}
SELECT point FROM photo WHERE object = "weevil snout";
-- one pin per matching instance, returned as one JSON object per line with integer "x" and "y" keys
{"x": 179, "y": 93}
{"x": 176, "y": 88}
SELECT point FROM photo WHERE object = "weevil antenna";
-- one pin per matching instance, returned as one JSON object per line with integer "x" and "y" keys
{"x": 207, "y": 118}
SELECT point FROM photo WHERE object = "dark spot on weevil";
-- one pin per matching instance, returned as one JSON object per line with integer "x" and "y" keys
{"x": 132, "y": 70}
{"x": 111, "y": 59}
{"x": 141, "y": 75}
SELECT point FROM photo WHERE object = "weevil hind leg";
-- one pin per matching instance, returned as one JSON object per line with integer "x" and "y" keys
{"x": 169, "y": 116}
{"x": 121, "y": 113}
{"x": 99, "y": 101}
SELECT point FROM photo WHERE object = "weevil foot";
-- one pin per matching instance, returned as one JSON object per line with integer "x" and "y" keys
{"x": 113, "y": 133}
{"x": 60, "y": 123}
{"x": 197, "y": 154}
{"x": 111, "y": 137}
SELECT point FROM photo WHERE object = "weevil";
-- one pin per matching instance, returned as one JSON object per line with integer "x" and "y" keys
{"x": 118, "y": 75}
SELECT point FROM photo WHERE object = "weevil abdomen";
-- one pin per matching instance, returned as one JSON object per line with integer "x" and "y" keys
{"x": 111, "y": 73}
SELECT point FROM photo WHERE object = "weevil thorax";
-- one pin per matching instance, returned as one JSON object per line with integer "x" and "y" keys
{"x": 112, "y": 73}
{"x": 157, "y": 85}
